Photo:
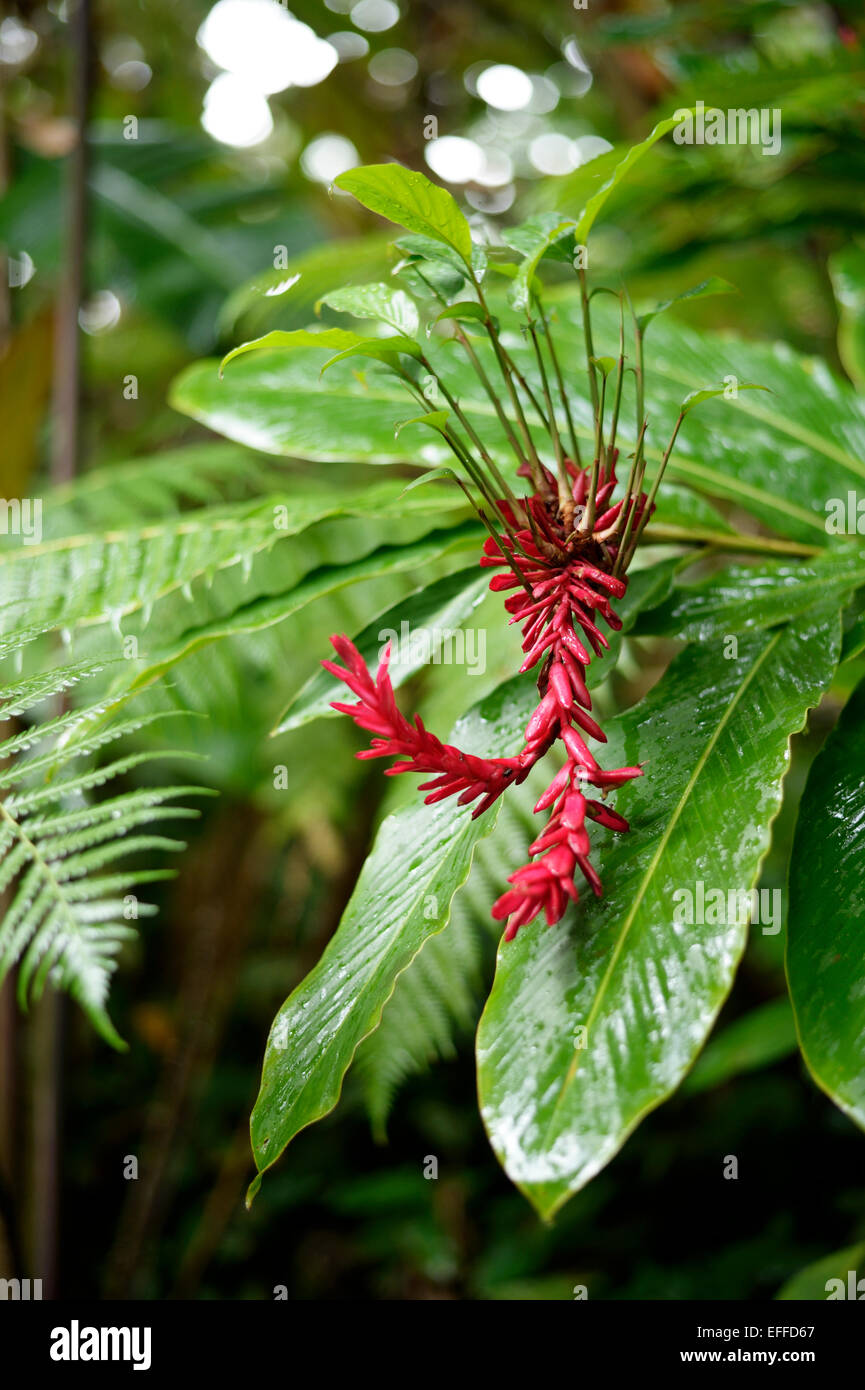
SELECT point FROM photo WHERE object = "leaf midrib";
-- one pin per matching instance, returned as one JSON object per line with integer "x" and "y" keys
{"x": 647, "y": 878}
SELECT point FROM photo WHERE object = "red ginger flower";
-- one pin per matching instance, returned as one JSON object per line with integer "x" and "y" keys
{"x": 561, "y": 587}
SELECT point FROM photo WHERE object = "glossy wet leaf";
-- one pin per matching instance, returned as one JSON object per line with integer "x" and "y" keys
{"x": 778, "y": 457}
{"x": 421, "y": 856}
{"x": 386, "y": 303}
{"x": 740, "y": 597}
{"x": 559, "y": 1102}
{"x": 411, "y": 200}
{"x": 423, "y": 623}
{"x": 825, "y": 955}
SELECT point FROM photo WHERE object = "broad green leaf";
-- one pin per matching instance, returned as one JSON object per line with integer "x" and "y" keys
{"x": 329, "y": 338}
{"x": 706, "y": 393}
{"x": 424, "y": 623}
{"x": 440, "y": 993}
{"x": 292, "y": 291}
{"x": 779, "y": 457}
{"x": 825, "y": 959}
{"x": 409, "y": 199}
{"x": 384, "y": 302}
{"x": 741, "y": 597}
{"x": 420, "y": 858}
{"x": 94, "y": 578}
{"x": 714, "y": 285}
{"x": 559, "y": 1102}
{"x": 818, "y": 1281}
{"x": 757, "y": 1039}
{"x": 265, "y": 612}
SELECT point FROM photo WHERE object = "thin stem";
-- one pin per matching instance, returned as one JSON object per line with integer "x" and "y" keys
{"x": 721, "y": 540}
{"x": 655, "y": 485}
{"x": 533, "y": 460}
{"x": 561, "y": 384}
{"x": 619, "y": 380}
{"x": 471, "y": 432}
{"x": 590, "y": 348}
{"x": 632, "y": 492}
{"x": 463, "y": 340}
{"x": 566, "y": 500}
{"x": 588, "y": 522}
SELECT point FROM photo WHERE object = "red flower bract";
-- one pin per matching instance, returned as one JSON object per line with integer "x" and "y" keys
{"x": 563, "y": 587}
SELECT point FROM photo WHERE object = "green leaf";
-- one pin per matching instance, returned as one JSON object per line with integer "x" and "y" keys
{"x": 376, "y": 301}
{"x": 847, "y": 270}
{"x": 65, "y": 921}
{"x": 714, "y": 285}
{"x": 97, "y": 578}
{"x": 814, "y": 1283}
{"x": 439, "y": 608}
{"x": 409, "y": 199}
{"x": 757, "y": 1039}
{"x": 740, "y": 597}
{"x": 596, "y": 202}
{"x": 707, "y": 392}
{"x": 713, "y": 735}
{"x": 267, "y": 611}
{"x": 825, "y": 960}
{"x": 434, "y": 420}
{"x": 467, "y": 311}
{"x": 297, "y": 338}
{"x": 421, "y": 856}
{"x": 379, "y": 349}
{"x": 605, "y": 364}
{"x": 521, "y": 290}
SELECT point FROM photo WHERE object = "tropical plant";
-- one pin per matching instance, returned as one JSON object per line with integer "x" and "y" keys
{"x": 536, "y": 387}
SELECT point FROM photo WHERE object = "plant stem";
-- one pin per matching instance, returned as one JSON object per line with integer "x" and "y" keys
{"x": 566, "y": 500}
{"x": 654, "y": 490}
{"x": 722, "y": 540}
{"x": 533, "y": 459}
{"x": 590, "y": 348}
{"x": 562, "y": 392}
{"x": 588, "y": 522}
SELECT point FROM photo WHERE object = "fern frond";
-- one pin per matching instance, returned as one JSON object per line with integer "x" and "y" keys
{"x": 161, "y": 485}
{"x": 97, "y": 577}
{"x": 67, "y": 919}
